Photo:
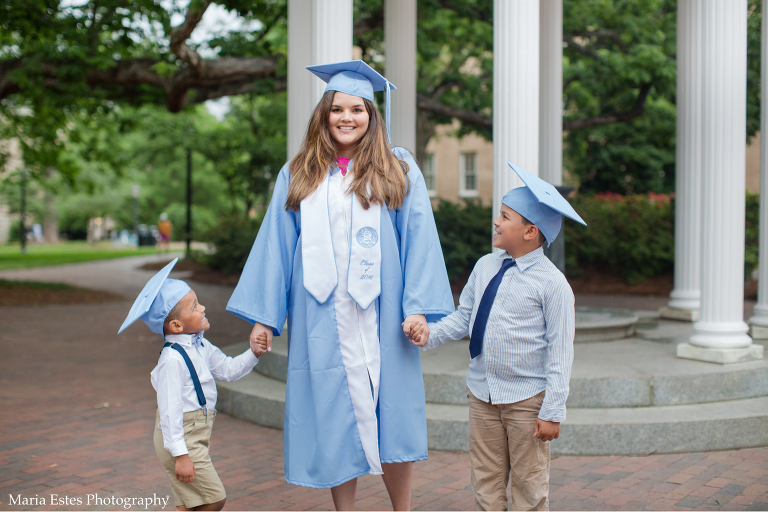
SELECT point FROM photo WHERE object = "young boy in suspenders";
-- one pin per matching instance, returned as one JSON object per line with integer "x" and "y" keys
{"x": 186, "y": 391}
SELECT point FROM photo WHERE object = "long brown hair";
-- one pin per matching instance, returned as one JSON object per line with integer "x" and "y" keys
{"x": 375, "y": 164}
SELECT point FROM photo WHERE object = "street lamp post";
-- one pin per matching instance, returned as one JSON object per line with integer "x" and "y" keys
{"x": 23, "y": 227}
{"x": 135, "y": 193}
{"x": 189, "y": 201}
{"x": 556, "y": 251}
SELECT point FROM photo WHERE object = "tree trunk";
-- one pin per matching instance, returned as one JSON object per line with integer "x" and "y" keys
{"x": 425, "y": 130}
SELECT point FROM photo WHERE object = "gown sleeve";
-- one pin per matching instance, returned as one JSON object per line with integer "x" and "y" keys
{"x": 261, "y": 294}
{"x": 426, "y": 290}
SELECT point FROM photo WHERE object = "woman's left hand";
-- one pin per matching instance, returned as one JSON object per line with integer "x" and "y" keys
{"x": 417, "y": 330}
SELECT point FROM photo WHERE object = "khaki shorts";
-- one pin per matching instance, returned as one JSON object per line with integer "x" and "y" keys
{"x": 207, "y": 486}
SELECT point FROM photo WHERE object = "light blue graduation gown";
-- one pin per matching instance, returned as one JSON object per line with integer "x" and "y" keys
{"x": 321, "y": 438}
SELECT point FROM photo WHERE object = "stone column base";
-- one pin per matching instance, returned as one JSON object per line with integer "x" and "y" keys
{"x": 758, "y": 332}
{"x": 720, "y": 355}
{"x": 686, "y": 315}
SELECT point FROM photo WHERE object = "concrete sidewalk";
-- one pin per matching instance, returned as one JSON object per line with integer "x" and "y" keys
{"x": 79, "y": 413}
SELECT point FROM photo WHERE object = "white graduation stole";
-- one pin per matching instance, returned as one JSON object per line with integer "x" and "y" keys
{"x": 320, "y": 275}
{"x": 319, "y": 265}
{"x": 364, "y": 278}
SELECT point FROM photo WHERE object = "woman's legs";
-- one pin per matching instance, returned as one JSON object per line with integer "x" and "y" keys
{"x": 344, "y": 495}
{"x": 397, "y": 479}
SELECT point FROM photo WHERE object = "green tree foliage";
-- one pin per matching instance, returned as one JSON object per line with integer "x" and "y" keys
{"x": 619, "y": 62}
{"x": 248, "y": 147}
{"x": 58, "y": 61}
{"x": 464, "y": 231}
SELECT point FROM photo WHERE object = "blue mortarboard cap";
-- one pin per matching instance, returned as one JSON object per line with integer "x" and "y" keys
{"x": 355, "y": 78}
{"x": 159, "y": 296}
{"x": 540, "y": 203}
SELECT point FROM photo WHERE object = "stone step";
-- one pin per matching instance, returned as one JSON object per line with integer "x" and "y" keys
{"x": 623, "y": 373}
{"x": 255, "y": 398}
{"x": 721, "y": 425}
{"x": 726, "y": 425}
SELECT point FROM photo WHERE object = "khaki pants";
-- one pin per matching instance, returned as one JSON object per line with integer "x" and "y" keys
{"x": 501, "y": 444}
{"x": 207, "y": 487}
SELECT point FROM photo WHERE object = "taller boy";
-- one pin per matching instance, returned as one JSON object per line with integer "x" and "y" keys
{"x": 519, "y": 310}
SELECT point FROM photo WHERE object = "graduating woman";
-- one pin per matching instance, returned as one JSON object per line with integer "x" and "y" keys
{"x": 348, "y": 251}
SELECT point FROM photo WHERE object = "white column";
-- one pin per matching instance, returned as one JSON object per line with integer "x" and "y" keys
{"x": 515, "y": 93}
{"x": 551, "y": 92}
{"x": 721, "y": 333}
{"x": 331, "y": 37}
{"x": 299, "y": 83}
{"x": 400, "y": 43}
{"x": 759, "y": 321}
{"x": 685, "y": 298}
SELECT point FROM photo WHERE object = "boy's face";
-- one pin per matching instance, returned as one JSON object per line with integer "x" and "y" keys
{"x": 191, "y": 317}
{"x": 509, "y": 232}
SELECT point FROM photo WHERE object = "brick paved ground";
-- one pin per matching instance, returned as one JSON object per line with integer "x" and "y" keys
{"x": 61, "y": 365}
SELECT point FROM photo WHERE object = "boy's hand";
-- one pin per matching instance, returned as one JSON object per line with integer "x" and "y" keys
{"x": 259, "y": 333}
{"x": 546, "y": 430}
{"x": 259, "y": 346}
{"x": 185, "y": 470}
{"x": 417, "y": 330}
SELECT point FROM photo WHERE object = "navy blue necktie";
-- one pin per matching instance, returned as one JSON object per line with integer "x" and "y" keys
{"x": 484, "y": 309}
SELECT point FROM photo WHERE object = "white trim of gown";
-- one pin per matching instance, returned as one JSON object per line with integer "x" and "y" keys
{"x": 357, "y": 327}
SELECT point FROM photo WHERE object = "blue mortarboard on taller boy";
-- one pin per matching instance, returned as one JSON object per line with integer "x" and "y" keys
{"x": 540, "y": 203}
{"x": 159, "y": 296}
{"x": 356, "y": 78}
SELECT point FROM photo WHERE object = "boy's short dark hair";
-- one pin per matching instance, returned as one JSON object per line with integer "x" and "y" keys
{"x": 174, "y": 314}
{"x": 542, "y": 239}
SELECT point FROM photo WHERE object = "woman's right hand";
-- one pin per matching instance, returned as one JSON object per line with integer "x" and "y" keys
{"x": 264, "y": 330}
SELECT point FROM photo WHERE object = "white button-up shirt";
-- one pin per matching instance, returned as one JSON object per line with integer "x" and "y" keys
{"x": 528, "y": 341}
{"x": 175, "y": 390}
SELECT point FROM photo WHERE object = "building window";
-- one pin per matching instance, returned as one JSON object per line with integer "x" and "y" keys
{"x": 428, "y": 170}
{"x": 468, "y": 174}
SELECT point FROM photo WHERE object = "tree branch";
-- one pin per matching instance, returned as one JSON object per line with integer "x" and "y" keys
{"x": 217, "y": 77}
{"x": 605, "y": 33}
{"x": 206, "y": 93}
{"x": 485, "y": 122}
{"x": 180, "y": 34}
{"x": 470, "y": 117}
{"x": 363, "y": 25}
{"x": 579, "y": 48}
{"x": 8, "y": 86}
{"x": 619, "y": 117}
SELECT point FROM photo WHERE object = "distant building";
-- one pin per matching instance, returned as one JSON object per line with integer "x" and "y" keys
{"x": 456, "y": 168}
{"x": 14, "y": 161}
{"x": 459, "y": 168}
{"x": 753, "y": 165}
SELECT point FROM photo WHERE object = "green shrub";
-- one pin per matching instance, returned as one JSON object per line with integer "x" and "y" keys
{"x": 465, "y": 232}
{"x": 13, "y": 232}
{"x": 633, "y": 235}
{"x": 751, "y": 235}
{"x": 233, "y": 238}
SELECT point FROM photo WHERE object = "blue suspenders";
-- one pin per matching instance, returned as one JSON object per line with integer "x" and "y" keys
{"x": 193, "y": 374}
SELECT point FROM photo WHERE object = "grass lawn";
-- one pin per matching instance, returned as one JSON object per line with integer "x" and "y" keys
{"x": 60, "y": 254}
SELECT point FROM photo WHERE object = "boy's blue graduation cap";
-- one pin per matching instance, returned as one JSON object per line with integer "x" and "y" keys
{"x": 540, "y": 203}
{"x": 159, "y": 296}
{"x": 355, "y": 78}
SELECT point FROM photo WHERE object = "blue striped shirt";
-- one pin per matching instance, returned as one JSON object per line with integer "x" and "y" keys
{"x": 528, "y": 343}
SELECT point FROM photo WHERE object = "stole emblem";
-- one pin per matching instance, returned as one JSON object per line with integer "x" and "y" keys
{"x": 367, "y": 237}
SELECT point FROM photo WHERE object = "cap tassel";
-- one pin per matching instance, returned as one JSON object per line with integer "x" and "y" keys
{"x": 389, "y": 138}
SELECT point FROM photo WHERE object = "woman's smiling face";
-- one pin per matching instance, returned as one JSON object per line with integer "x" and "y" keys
{"x": 348, "y": 122}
